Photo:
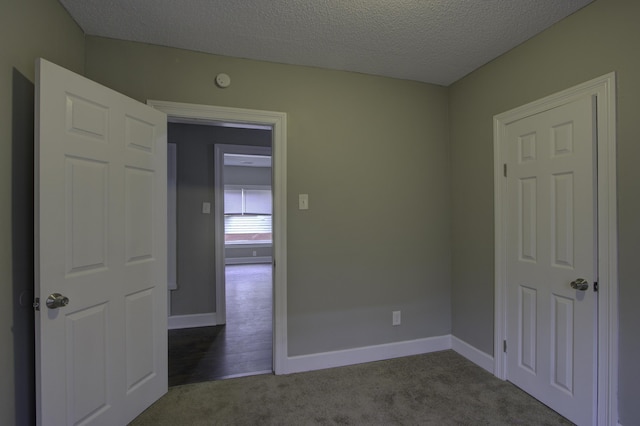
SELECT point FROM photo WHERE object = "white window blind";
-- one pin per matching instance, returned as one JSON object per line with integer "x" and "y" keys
{"x": 247, "y": 216}
{"x": 233, "y": 201}
{"x": 247, "y": 224}
{"x": 247, "y": 201}
{"x": 257, "y": 201}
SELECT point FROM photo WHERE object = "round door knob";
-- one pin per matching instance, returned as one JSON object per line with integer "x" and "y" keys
{"x": 580, "y": 284}
{"x": 56, "y": 300}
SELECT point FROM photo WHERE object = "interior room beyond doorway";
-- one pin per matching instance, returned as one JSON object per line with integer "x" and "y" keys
{"x": 237, "y": 339}
{"x": 241, "y": 347}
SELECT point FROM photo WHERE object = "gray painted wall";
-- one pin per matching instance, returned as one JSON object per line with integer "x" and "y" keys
{"x": 237, "y": 175}
{"x": 195, "y": 230}
{"x": 360, "y": 146}
{"x": 371, "y": 152}
{"x": 30, "y": 29}
{"x": 600, "y": 38}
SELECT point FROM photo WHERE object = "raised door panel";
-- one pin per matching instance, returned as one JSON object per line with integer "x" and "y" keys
{"x": 562, "y": 214}
{"x": 87, "y": 223}
{"x": 139, "y": 215}
{"x": 89, "y": 385}
{"x": 528, "y": 219}
{"x": 562, "y": 323}
{"x": 140, "y": 353}
{"x": 528, "y": 323}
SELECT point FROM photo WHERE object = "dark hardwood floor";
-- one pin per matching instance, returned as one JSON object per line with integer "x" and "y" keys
{"x": 241, "y": 347}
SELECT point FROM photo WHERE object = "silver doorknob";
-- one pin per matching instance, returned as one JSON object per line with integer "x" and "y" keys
{"x": 580, "y": 284}
{"x": 56, "y": 300}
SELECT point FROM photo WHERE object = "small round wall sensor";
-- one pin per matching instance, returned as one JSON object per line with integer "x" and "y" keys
{"x": 223, "y": 80}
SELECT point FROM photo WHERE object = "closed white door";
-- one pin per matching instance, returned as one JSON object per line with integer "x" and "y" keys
{"x": 551, "y": 248}
{"x": 101, "y": 347}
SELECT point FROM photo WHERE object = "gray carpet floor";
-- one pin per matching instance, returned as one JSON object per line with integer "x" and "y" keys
{"x": 440, "y": 388}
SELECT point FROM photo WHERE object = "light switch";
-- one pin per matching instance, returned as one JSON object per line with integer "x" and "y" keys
{"x": 303, "y": 201}
{"x": 206, "y": 208}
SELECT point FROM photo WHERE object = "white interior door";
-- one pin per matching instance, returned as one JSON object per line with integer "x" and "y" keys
{"x": 551, "y": 242}
{"x": 100, "y": 242}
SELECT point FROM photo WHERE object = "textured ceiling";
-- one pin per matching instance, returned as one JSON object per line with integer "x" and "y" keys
{"x": 434, "y": 41}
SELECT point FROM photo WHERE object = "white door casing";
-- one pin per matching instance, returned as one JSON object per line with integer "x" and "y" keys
{"x": 555, "y": 222}
{"x": 277, "y": 121}
{"x": 100, "y": 241}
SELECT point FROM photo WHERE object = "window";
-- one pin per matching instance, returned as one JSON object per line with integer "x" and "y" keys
{"x": 247, "y": 214}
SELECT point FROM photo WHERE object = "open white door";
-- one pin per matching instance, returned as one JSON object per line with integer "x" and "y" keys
{"x": 100, "y": 242}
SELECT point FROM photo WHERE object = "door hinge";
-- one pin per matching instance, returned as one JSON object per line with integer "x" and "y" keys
{"x": 504, "y": 346}
{"x": 595, "y": 286}
{"x": 36, "y": 304}
{"x": 504, "y": 169}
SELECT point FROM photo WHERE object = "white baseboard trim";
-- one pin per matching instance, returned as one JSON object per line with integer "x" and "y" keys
{"x": 297, "y": 364}
{"x": 190, "y": 321}
{"x": 474, "y": 355}
{"x": 246, "y": 260}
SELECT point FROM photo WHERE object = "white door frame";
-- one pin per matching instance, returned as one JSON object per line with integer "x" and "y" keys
{"x": 277, "y": 121}
{"x": 603, "y": 89}
{"x": 219, "y": 151}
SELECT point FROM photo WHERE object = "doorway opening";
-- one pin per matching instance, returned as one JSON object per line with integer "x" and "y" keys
{"x": 276, "y": 122}
{"x": 220, "y": 317}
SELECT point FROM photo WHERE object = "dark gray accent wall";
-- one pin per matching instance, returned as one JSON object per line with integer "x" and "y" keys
{"x": 596, "y": 40}
{"x": 195, "y": 230}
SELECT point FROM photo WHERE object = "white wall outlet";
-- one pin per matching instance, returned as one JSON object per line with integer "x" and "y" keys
{"x": 303, "y": 201}
{"x": 255, "y": 253}
{"x": 206, "y": 208}
{"x": 396, "y": 318}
